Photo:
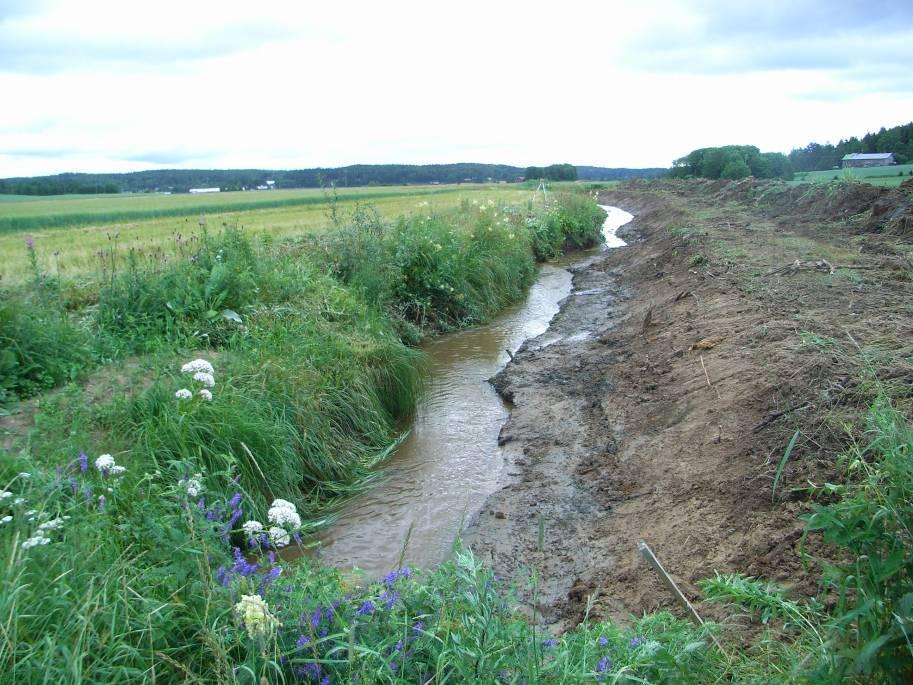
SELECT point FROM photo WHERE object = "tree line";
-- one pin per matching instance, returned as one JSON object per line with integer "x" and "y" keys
{"x": 182, "y": 180}
{"x": 732, "y": 162}
{"x": 818, "y": 157}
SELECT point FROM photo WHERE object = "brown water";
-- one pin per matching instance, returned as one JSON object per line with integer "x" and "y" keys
{"x": 450, "y": 463}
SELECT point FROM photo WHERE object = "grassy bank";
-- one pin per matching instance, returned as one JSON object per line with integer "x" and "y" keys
{"x": 129, "y": 495}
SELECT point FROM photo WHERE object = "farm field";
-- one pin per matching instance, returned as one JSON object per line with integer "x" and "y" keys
{"x": 159, "y": 220}
{"x": 888, "y": 177}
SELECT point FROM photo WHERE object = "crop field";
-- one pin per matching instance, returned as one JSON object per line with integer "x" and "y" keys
{"x": 70, "y": 232}
{"x": 889, "y": 177}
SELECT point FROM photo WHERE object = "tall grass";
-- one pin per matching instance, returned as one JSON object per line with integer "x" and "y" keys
{"x": 133, "y": 577}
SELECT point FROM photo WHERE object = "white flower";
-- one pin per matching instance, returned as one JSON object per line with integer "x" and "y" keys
{"x": 254, "y": 614}
{"x": 252, "y": 528}
{"x": 6, "y": 519}
{"x": 205, "y": 394}
{"x": 53, "y": 524}
{"x": 25, "y": 474}
{"x": 279, "y": 536}
{"x": 194, "y": 486}
{"x": 18, "y": 501}
{"x": 104, "y": 463}
{"x": 117, "y": 470}
{"x": 198, "y": 365}
{"x": 204, "y": 378}
{"x": 183, "y": 394}
{"x": 5, "y": 493}
{"x": 283, "y": 513}
{"x": 31, "y": 512}
{"x": 34, "y": 541}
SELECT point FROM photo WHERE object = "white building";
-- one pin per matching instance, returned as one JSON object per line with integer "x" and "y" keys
{"x": 205, "y": 190}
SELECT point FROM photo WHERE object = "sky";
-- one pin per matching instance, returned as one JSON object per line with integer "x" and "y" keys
{"x": 99, "y": 86}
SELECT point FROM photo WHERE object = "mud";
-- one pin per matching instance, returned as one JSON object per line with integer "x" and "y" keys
{"x": 682, "y": 366}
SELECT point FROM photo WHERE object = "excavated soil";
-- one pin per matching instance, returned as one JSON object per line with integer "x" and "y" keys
{"x": 739, "y": 314}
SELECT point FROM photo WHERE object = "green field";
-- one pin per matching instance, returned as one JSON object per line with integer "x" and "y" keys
{"x": 889, "y": 177}
{"x": 69, "y": 231}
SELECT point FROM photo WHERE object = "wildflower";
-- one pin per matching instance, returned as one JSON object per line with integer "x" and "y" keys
{"x": 183, "y": 394}
{"x": 418, "y": 627}
{"x": 603, "y": 665}
{"x": 254, "y": 614}
{"x": 53, "y": 524}
{"x": 118, "y": 470}
{"x": 104, "y": 463}
{"x": 101, "y": 504}
{"x": 74, "y": 485}
{"x": 20, "y": 500}
{"x": 283, "y": 513}
{"x": 4, "y": 494}
{"x": 315, "y": 618}
{"x": 35, "y": 541}
{"x": 235, "y": 500}
{"x": 193, "y": 485}
{"x": 252, "y": 528}
{"x": 550, "y": 643}
{"x": 6, "y": 519}
{"x": 206, "y": 379}
{"x": 635, "y": 642}
{"x": 302, "y": 641}
{"x": 603, "y": 640}
{"x": 279, "y": 536}
{"x": 30, "y": 243}
{"x": 366, "y": 608}
{"x": 205, "y": 394}
{"x": 198, "y": 365}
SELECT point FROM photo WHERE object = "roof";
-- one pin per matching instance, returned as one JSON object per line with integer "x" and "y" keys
{"x": 874, "y": 155}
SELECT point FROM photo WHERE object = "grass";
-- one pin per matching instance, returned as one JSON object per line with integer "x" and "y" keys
{"x": 890, "y": 177}
{"x": 72, "y": 230}
{"x": 132, "y": 576}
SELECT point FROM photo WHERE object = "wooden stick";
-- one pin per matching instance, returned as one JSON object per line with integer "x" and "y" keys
{"x": 707, "y": 376}
{"x": 651, "y": 559}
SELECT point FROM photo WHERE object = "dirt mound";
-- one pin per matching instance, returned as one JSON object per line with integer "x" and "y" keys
{"x": 685, "y": 364}
{"x": 892, "y": 213}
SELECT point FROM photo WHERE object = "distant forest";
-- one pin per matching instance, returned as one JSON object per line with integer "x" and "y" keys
{"x": 818, "y": 157}
{"x": 182, "y": 180}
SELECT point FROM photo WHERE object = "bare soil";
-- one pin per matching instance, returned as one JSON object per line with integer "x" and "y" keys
{"x": 740, "y": 313}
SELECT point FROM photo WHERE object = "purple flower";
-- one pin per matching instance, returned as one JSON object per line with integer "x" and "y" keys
{"x": 222, "y": 576}
{"x": 550, "y": 643}
{"x": 405, "y": 572}
{"x": 30, "y": 243}
{"x": 242, "y": 567}
{"x": 603, "y": 640}
{"x": 603, "y": 665}
{"x": 235, "y": 500}
{"x": 297, "y": 538}
{"x": 315, "y": 618}
{"x": 201, "y": 505}
{"x": 366, "y": 608}
{"x": 325, "y": 680}
{"x": 390, "y": 578}
{"x": 288, "y": 588}
{"x": 418, "y": 627}
{"x": 303, "y": 640}
{"x": 74, "y": 486}
{"x": 635, "y": 642}
{"x": 391, "y": 600}
{"x": 394, "y": 666}
{"x": 399, "y": 646}
{"x": 235, "y": 515}
{"x": 83, "y": 462}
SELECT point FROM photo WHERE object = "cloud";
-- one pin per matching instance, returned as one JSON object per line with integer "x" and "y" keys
{"x": 701, "y": 37}
{"x": 112, "y": 38}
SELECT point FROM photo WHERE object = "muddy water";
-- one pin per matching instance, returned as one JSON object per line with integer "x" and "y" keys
{"x": 450, "y": 463}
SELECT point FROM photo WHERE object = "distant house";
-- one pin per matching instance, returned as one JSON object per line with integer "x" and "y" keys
{"x": 205, "y": 190}
{"x": 858, "y": 159}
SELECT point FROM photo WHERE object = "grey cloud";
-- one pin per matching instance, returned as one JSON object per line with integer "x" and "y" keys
{"x": 779, "y": 35}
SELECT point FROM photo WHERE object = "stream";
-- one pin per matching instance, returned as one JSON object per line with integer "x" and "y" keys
{"x": 450, "y": 463}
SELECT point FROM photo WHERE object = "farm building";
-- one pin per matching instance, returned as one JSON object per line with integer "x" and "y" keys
{"x": 857, "y": 159}
{"x": 205, "y": 190}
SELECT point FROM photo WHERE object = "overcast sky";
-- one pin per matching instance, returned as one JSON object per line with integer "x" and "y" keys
{"x": 123, "y": 86}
